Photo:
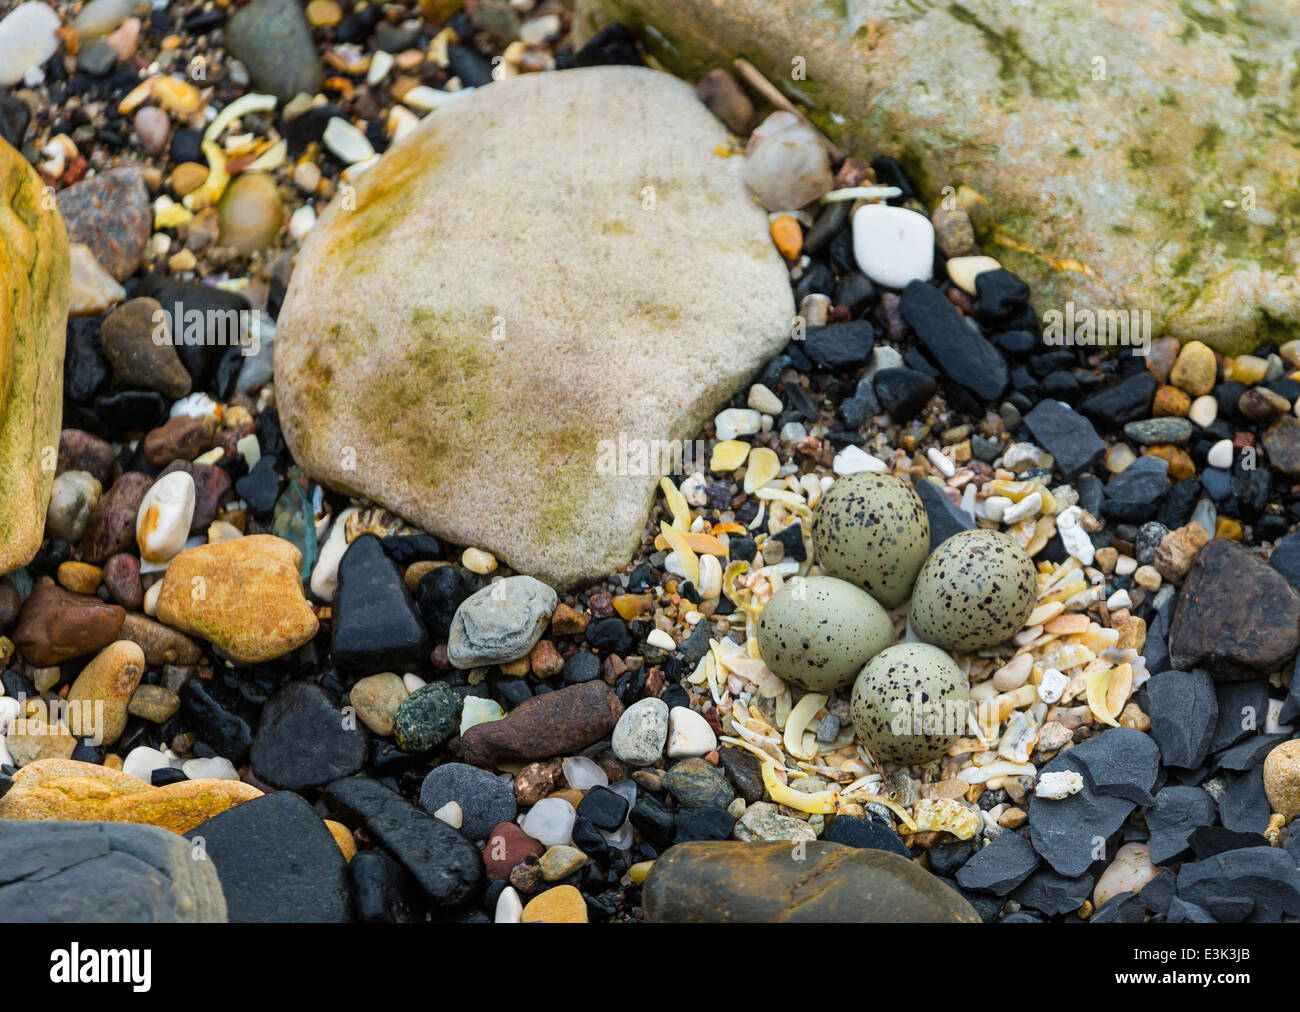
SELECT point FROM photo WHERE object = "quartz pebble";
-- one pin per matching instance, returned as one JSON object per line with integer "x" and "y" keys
{"x": 550, "y": 822}
{"x": 163, "y": 520}
{"x": 853, "y": 460}
{"x": 735, "y": 422}
{"x": 786, "y": 164}
{"x": 1058, "y": 784}
{"x": 689, "y": 734}
{"x": 27, "y": 39}
{"x": 892, "y": 245}
{"x": 346, "y": 142}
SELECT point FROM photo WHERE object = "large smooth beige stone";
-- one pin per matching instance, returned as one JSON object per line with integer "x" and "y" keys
{"x": 551, "y": 264}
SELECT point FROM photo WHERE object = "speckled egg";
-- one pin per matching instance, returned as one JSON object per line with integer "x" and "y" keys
{"x": 910, "y": 703}
{"x": 975, "y": 590}
{"x": 818, "y": 632}
{"x": 871, "y": 529}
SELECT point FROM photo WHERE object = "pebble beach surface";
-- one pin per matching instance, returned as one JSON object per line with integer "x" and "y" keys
{"x": 383, "y": 605}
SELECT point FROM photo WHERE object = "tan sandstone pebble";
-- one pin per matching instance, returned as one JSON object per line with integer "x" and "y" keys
{"x": 35, "y": 738}
{"x": 1132, "y": 633}
{"x": 1106, "y": 559}
{"x": 154, "y": 703}
{"x": 1178, "y": 551}
{"x": 561, "y": 861}
{"x": 376, "y": 699}
{"x": 1195, "y": 369}
{"x": 1132, "y": 716}
{"x": 108, "y": 681}
{"x": 1282, "y": 778}
{"x": 244, "y": 595}
{"x": 160, "y": 644}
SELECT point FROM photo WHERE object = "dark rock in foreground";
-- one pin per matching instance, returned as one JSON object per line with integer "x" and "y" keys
{"x": 446, "y": 866}
{"x": 726, "y": 881}
{"x": 277, "y": 862}
{"x": 103, "y": 872}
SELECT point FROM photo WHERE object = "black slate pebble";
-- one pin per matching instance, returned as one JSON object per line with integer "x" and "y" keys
{"x": 964, "y": 356}
{"x": 1183, "y": 708}
{"x": 228, "y": 733}
{"x": 1067, "y": 435}
{"x": 840, "y": 345}
{"x": 866, "y": 834}
{"x": 383, "y": 892}
{"x": 277, "y": 862}
{"x": 260, "y": 488}
{"x": 903, "y": 392}
{"x": 440, "y": 592}
{"x": 304, "y": 741}
{"x": 376, "y": 624}
{"x": 1000, "y": 866}
{"x": 1177, "y": 813}
{"x": 703, "y": 824}
{"x": 1051, "y": 893}
{"x": 945, "y": 518}
{"x": 445, "y": 865}
{"x": 1257, "y": 884}
{"x": 606, "y": 809}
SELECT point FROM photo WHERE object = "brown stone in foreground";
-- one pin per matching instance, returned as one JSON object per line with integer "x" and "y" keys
{"x": 1237, "y": 616}
{"x": 725, "y": 881}
{"x": 557, "y": 723}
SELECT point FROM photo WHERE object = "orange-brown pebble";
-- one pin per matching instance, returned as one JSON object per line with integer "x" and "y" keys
{"x": 630, "y": 606}
{"x": 343, "y": 837}
{"x": 1228, "y": 528}
{"x": 569, "y": 794}
{"x": 1180, "y": 462}
{"x": 81, "y": 577}
{"x": 516, "y": 669}
{"x": 1171, "y": 401}
{"x": 568, "y": 621}
{"x": 788, "y": 237}
{"x": 561, "y": 905}
{"x": 545, "y": 660}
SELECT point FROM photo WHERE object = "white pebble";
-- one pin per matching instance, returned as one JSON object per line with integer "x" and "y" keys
{"x": 994, "y": 507}
{"x": 762, "y": 399}
{"x": 854, "y": 460}
{"x": 197, "y": 405}
{"x": 550, "y": 822}
{"x": 346, "y": 142}
{"x": 1027, "y": 507}
{"x": 583, "y": 774}
{"x": 412, "y": 682}
{"x": 662, "y": 640}
{"x": 1058, "y": 785}
{"x": 509, "y": 908}
{"x": 478, "y": 561}
{"x": 1119, "y": 599}
{"x": 689, "y": 734}
{"x": 451, "y": 814}
{"x": 478, "y": 710}
{"x": 27, "y": 39}
{"x": 792, "y": 432}
{"x": 301, "y": 222}
{"x": 1052, "y": 686}
{"x": 1220, "y": 454}
{"x": 215, "y": 768}
{"x": 1125, "y": 565}
{"x": 163, "y": 521}
{"x": 1073, "y": 537}
{"x": 785, "y": 163}
{"x": 945, "y": 466}
{"x": 892, "y": 245}
{"x": 325, "y": 576}
{"x": 735, "y": 422}
{"x": 710, "y": 588}
{"x": 380, "y": 64}
{"x": 1204, "y": 410}
{"x": 142, "y": 760}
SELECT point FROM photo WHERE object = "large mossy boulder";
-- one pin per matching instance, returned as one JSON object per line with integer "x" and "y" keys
{"x": 33, "y": 320}
{"x": 542, "y": 281}
{"x": 1116, "y": 155}
{"x": 723, "y": 881}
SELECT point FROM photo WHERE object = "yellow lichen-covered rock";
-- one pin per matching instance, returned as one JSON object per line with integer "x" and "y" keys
{"x": 244, "y": 595}
{"x": 69, "y": 790}
{"x": 33, "y": 317}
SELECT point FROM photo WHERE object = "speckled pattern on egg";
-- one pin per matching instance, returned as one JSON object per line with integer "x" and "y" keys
{"x": 975, "y": 590}
{"x": 872, "y": 530}
{"x": 910, "y": 703}
{"x": 818, "y": 632}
